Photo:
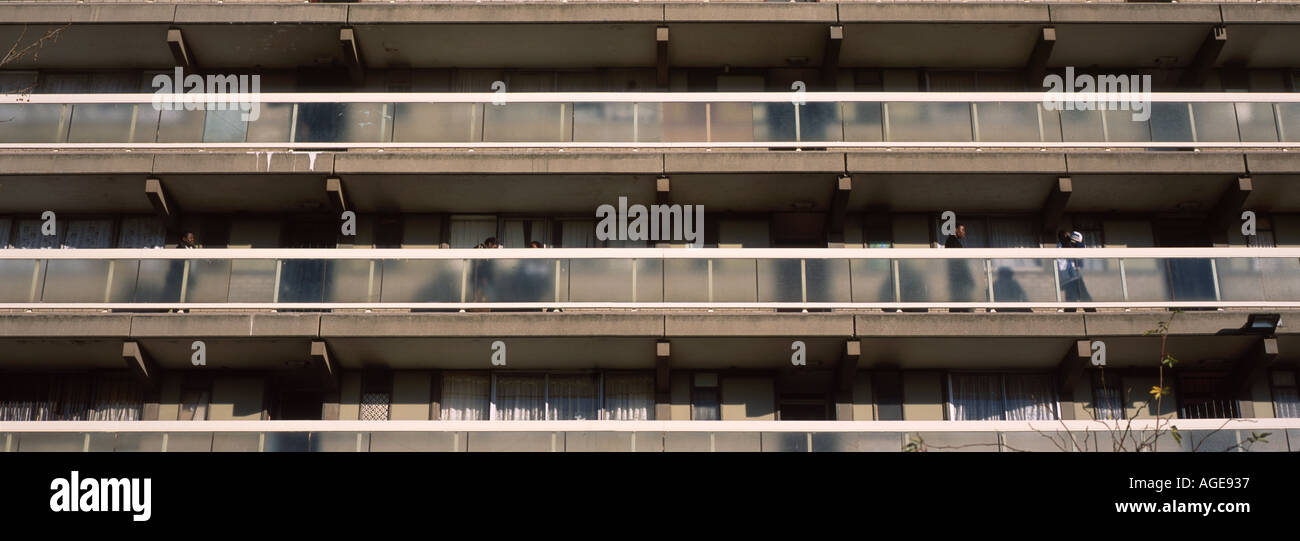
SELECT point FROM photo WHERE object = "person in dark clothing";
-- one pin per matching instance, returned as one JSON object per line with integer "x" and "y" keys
{"x": 1070, "y": 271}
{"x": 188, "y": 241}
{"x": 960, "y": 281}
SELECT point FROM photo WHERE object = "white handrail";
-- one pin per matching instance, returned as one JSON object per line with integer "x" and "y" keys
{"x": 649, "y": 253}
{"x": 653, "y": 97}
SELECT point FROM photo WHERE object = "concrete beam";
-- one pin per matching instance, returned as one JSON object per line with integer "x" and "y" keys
{"x": 338, "y": 199}
{"x": 140, "y": 365}
{"x": 352, "y": 56}
{"x": 163, "y": 205}
{"x": 1228, "y": 209}
{"x": 845, "y": 374}
{"x": 1071, "y": 370}
{"x": 181, "y": 54}
{"x": 663, "y": 381}
{"x": 324, "y": 366}
{"x": 839, "y": 207}
{"x": 663, "y": 194}
{"x": 831, "y": 56}
{"x": 1036, "y": 67}
{"x": 1199, "y": 70}
{"x": 661, "y": 57}
{"x": 1054, "y": 206}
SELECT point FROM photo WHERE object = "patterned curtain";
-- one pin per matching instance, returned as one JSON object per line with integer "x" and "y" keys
{"x": 141, "y": 232}
{"x": 976, "y": 397}
{"x": 5, "y": 225}
{"x": 571, "y": 398}
{"x": 29, "y": 235}
{"x": 1109, "y": 401}
{"x": 89, "y": 234}
{"x": 520, "y": 398}
{"x": 1030, "y": 397}
{"x": 465, "y": 397}
{"x": 629, "y": 397}
{"x": 116, "y": 398}
{"x": 375, "y": 406}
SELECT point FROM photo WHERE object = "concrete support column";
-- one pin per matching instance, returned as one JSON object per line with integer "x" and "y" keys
{"x": 663, "y": 381}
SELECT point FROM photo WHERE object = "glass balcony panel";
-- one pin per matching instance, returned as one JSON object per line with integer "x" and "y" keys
{"x": 437, "y": 280}
{"x": 33, "y": 122}
{"x": 513, "y": 280}
{"x": 252, "y": 280}
{"x": 76, "y": 280}
{"x": 732, "y": 122}
{"x": 1023, "y": 280}
{"x": 862, "y": 122}
{"x": 101, "y": 123}
{"x": 938, "y": 280}
{"x": 273, "y": 124}
{"x": 1257, "y": 122}
{"x": 1098, "y": 280}
{"x": 650, "y": 280}
{"x": 344, "y": 122}
{"x": 121, "y": 286}
{"x": 302, "y": 280}
{"x": 528, "y": 122}
{"x": 1008, "y": 121}
{"x": 1240, "y": 279}
{"x": 225, "y": 126}
{"x": 685, "y": 122}
{"x": 828, "y": 280}
{"x": 873, "y": 280}
{"x": 160, "y": 280}
{"x": 735, "y": 280}
{"x": 603, "y": 280}
{"x": 209, "y": 280}
{"x": 780, "y": 280}
{"x": 1122, "y": 128}
{"x": 1051, "y": 124}
{"x": 1171, "y": 122}
{"x": 16, "y": 277}
{"x": 929, "y": 122}
{"x": 438, "y": 123}
{"x": 1215, "y": 122}
{"x": 606, "y": 122}
{"x": 1290, "y": 119}
{"x": 352, "y": 280}
{"x": 1147, "y": 280}
{"x": 686, "y": 280}
{"x": 1173, "y": 279}
{"x": 1281, "y": 278}
{"x": 1082, "y": 127}
{"x": 820, "y": 121}
{"x": 180, "y": 126}
{"x": 774, "y": 122}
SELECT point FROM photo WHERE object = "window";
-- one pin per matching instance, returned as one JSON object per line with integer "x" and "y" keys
{"x": 75, "y": 397}
{"x": 1011, "y": 397}
{"x": 619, "y": 396}
{"x": 1107, "y": 397}
{"x": 376, "y": 396}
{"x": 706, "y": 399}
{"x": 1205, "y": 396}
{"x": 1286, "y": 400}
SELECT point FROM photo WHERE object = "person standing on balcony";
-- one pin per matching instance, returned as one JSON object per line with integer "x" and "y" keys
{"x": 188, "y": 241}
{"x": 960, "y": 280}
{"x": 1071, "y": 274}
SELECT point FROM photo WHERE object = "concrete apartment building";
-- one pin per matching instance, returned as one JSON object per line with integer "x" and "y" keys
{"x": 821, "y": 313}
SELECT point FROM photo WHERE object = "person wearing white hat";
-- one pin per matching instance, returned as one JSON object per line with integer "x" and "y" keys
{"x": 1069, "y": 269}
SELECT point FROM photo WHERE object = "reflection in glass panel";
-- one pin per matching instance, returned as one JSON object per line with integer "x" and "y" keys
{"x": 513, "y": 280}
{"x": 1098, "y": 280}
{"x": 602, "y": 280}
{"x": 351, "y": 280}
{"x": 252, "y": 280}
{"x": 438, "y": 122}
{"x": 1214, "y": 122}
{"x": 180, "y": 126}
{"x": 686, "y": 280}
{"x": 939, "y": 280}
{"x": 685, "y": 122}
{"x": 1256, "y": 122}
{"x": 732, "y": 122}
{"x": 224, "y": 126}
{"x": 434, "y": 280}
{"x": 820, "y": 121}
{"x": 100, "y": 122}
{"x": 774, "y": 122}
{"x": 532, "y": 122}
{"x": 862, "y": 122}
{"x": 1120, "y": 127}
{"x": 1023, "y": 280}
{"x": 828, "y": 280}
{"x": 1171, "y": 122}
{"x": 1146, "y": 280}
{"x": 605, "y": 122}
{"x": 939, "y": 122}
{"x": 16, "y": 279}
{"x": 1281, "y": 278}
{"x": 32, "y": 123}
{"x": 1289, "y": 116}
{"x": 1007, "y": 121}
{"x": 780, "y": 280}
{"x": 160, "y": 280}
{"x": 873, "y": 280}
{"x": 1082, "y": 127}
{"x": 301, "y": 280}
{"x": 209, "y": 280}
{"x": 75, "y": 280}
{"x": 1240, "y": 279}
{"x": 273, "y": 124}
{"x": 734, "y": 280}
{"x": 1191, "y": 279}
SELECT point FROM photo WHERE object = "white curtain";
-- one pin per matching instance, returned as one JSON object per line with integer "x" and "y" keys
{"x": 24, "y": 398}
{"x": 194, "y": 406}
{"x": 520, "y": 398}
{"x": 4, "y": 232}
{"x": 578, "y": 234}
{"x": 513, "y": 234}
{"x": 141, "y": 232}
{"x": 1110, "y": 402}
{"x": 29, "y": 235}
{"x": 117, "y": 398}
{"x": 976, "y": 397}
{"x": 465, "y": 397}
{"x": 470, "y": 232}
{"x": 1030, "y": 397}
{"x": 629, "y": 397}
{"x": 571, "y": 398}
{"x": 1286, "y": 403}
{"x": 89, "y": 234}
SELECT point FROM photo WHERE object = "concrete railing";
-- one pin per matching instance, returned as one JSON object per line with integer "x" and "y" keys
{"x": 1213, "y": 435}
{"x": 572, "y": 278}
